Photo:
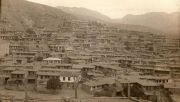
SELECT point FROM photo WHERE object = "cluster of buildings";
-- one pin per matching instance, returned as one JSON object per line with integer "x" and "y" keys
{"x": 90, "y": 53}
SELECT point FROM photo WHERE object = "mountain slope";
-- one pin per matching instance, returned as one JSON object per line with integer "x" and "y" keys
{"x": 85, "y": 14}
{"x": 169, "y": 23}
{"x": 22, "y": 14}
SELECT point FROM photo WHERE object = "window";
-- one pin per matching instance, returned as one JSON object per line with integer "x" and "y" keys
{"x": 69, "y": 78}
{"x": 41, "y": 77}
{"x": 64, "y": 78}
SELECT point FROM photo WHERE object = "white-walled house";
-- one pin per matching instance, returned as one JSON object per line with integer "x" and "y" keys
{"x": 52, "y": 60}
{"x": 67, "y": 77}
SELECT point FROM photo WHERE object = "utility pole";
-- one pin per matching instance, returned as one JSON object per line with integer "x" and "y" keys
{"x": 75, "y": 91}
{"x": 129, "y": 90}
{"x": 76, "y": 83}
{"x": 26, "y": 93}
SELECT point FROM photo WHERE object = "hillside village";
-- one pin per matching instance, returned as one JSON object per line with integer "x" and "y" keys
{"x": 99, "y": 59}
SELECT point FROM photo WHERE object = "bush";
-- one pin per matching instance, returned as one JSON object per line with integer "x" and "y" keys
{"x": 30, "y": 31}
{"x": 53, "y": 84}
{"x": 39, "y": 58}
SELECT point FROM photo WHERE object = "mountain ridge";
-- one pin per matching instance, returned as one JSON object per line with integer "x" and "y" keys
{"x": 85, "y": 13}
{"x": 157, "y": 21}
{"x": 25, "y": 14}
{"x": 166, "y": 22}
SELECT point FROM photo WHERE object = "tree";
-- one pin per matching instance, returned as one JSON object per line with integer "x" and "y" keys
{"x": 39, "y": 58}
{"x": 107, "y": 90}
{"x": 30, "y": 31}
{"x": 84, "y": 75}
{"x": 100, "y": 93}
{"x": 164, "y": 96}
{"x": 106, "y": 72}
{"x": 53, "y": 84}
{"x": 135, "y": 91}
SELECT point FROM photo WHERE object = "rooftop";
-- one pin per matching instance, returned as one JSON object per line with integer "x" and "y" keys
{"x": 51, "y": 58}
{"x": 173, "y": 85}
{"x": 19, "y": 72}
{"x": 147, "y": 83}
{"x": 101, "y": 81}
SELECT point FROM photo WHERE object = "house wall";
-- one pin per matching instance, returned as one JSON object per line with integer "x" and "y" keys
{"x": 86, "y": 88}
{"x": 52, "y": 61}
{"x": 67, "y": 79}
{"x": 4, "y": 48}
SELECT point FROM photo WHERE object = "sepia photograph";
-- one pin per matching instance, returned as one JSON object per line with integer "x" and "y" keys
{"x": 89, "y": 50}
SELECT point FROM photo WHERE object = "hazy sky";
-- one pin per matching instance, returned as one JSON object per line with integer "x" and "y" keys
{"x": 117, "y": 8}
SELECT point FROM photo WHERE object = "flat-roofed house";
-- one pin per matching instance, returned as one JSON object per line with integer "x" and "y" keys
{"x": 80, "y": 59}
{"x": 147, "y": 86}
{"x": 57, "y": 48}
{"x": 43, "y": 77}
{"x": 145, "y": 69}
{"x": 125, "y": 62}
{"x": 162, "y": 69}
{"x": 8, "y": 70}
{"x": 93, "y": 86}
{"x": 67, "y": 76}
{"x": 175, "y": 71}
{"x": 9, "y": 37}
{"x": 32, "y": 75}
{"x": 62, "y": 40}
{"x": 173, "y": 87}
{"x": 28, "y": 55}
{"x": 19, "y": 75}
{"x": 20, "y": 46}
{"x": 106, "y": 69}
{"x": 161, "y": 80}
{"x": 57, "y": 66}
{"x": 17, "y": 80}
{"x": 6, "y": 74}
{"x": 51, "y": 60}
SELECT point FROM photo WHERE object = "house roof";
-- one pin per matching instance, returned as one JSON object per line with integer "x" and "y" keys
{"x": 19, "y": 72}
{"x": 69, "y": 48}
{"x": 107, "y": 65}
{"x": 155, "y": 77}
{"x": 51, "y": 58}
{"x": 173, "y": 85}
{"x": 144, "y": 67}
{"x": 101, "y": 81}
{"x": 83, "y": 66}
{"x": 48, "y": 73}
{"x": 9, "y": 68}
{"x": 59, "y": 72}
{"x": 147, "y": 83}
{"x": 176, "y": 97}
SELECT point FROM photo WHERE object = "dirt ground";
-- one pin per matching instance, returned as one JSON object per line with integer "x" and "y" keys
{"x": 31, "y": 94}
